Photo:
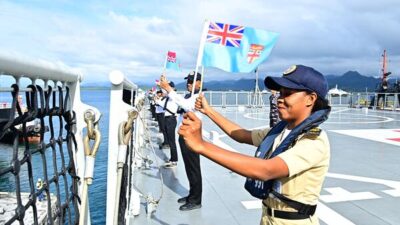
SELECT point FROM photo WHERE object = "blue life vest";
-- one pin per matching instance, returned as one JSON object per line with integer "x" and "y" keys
{"x": 261, "y": 189}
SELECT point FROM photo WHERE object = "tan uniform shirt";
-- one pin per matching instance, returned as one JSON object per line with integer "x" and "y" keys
{"x": 308, "y": 162}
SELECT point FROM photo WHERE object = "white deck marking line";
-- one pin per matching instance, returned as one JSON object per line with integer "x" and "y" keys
{"x": 395, "y": 185}
{"x": 380, "y": 135}
{"x": 338, "y": 194}
{"x": 365, "y": 116}
{"x": 323, "y": 212}
{"x": 329, "y": 216}
{"x": 252, "y": 204}
{"x": 339, "y": 111}
{"x": 250, "y": 115}
{"x": 217, "y": 141}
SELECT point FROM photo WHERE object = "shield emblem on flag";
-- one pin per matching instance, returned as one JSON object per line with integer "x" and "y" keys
{"x": 254, "y": 52}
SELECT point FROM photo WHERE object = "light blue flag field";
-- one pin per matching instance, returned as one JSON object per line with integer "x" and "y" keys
{"x": 172, "y": 62}
{"x": 236, "y": 48}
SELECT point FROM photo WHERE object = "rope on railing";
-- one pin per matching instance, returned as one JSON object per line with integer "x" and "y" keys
{"x": 152, "y": 203}
{"x": 127, "y": 153}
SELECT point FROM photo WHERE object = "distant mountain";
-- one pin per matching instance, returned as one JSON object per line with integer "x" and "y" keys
{"x": 353, "y": 81}
{"x": 349, "y": 81}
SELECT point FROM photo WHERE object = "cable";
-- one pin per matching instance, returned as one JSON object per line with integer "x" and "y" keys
{"x": 150, "y": 199}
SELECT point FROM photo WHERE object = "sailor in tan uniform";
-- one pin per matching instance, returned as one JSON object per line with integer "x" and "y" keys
{"x": 292, "y": 157}
{"x": 308, "y": 162}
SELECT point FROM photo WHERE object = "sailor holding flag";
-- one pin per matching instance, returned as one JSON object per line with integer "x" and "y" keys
{"x": 190, "y": 159}
{"x": 292, "y": 158}
{"x": 231, "y": 48}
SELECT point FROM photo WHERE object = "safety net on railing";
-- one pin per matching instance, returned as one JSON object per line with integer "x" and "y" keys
{"x": 38, "y": 180}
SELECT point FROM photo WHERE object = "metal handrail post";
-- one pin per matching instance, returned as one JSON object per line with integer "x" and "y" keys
{"x": 118, "y": 113}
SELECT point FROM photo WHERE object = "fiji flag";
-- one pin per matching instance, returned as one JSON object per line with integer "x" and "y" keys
{"x": 172, "y": 62}
{"x": 236, "y": 48}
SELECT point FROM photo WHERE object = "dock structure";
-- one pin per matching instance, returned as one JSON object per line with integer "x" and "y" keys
{"x": 8, "y": 204}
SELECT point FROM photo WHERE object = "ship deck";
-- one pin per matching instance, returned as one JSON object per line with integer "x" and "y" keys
{"x": 362, "y": 186}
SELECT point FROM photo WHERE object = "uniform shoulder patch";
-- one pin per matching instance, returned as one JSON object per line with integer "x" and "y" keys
{"x": 313, "y": 133}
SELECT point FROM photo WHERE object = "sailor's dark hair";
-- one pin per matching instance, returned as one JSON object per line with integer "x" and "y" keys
{"x": 320, "y": 103}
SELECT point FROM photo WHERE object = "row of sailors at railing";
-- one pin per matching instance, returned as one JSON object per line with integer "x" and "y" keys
{"x": 166, "y": 105}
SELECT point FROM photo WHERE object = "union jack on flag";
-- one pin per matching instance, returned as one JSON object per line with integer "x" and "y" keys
{"x": 225, "y": 34}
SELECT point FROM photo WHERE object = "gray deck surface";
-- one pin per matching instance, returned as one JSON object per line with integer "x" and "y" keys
{"x": 362, "y": 170}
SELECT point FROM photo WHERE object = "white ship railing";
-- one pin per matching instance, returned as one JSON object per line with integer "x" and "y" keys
{"x": 49, "y": 75}
{"x": 387, "y": 101}
{"x": 259, "y": 99}
{"x": 236, "y": 98}
{"x": 125, "y": 100}
{"x": 375, "y": 100}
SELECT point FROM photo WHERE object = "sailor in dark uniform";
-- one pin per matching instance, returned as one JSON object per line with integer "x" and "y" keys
{"x": 397, "y": 90}
{"x": 160, "y": 112}
{"x": 171, "y": 108}
{"x": 190, "y": 159}
{"x": 381, "y": 89}
{"x": 151, "y": 96}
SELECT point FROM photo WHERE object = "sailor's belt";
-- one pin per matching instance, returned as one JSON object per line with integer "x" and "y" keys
{"x": 285, "y": 214}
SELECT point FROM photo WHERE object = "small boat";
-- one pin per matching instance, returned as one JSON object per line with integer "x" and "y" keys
{"x": 33, "y": 135}
{"x": 32, "y": 130}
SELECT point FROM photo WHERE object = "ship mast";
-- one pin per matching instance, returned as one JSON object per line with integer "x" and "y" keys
{"x": 384, "y": 66}
{"x": 383, "y": 63}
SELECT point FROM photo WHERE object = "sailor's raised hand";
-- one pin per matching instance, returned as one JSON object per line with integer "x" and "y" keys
{"x": 164, "y": 84}
{"x": 202, "y": 105}
{"x": 163, "y": 77}
{"x": 191, "y": 132}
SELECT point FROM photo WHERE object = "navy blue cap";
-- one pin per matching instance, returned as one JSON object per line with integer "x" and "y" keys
{"x": 171, "y": 84}
{"x": 301, "y": 78}
{"x": 190, "y": 76}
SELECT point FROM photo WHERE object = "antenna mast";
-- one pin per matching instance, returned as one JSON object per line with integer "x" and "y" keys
{"x": 384, "y": 63}
{"x": 385, "y": 74}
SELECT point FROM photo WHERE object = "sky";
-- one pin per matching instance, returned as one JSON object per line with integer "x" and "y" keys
{"x": 96, "y": 37}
